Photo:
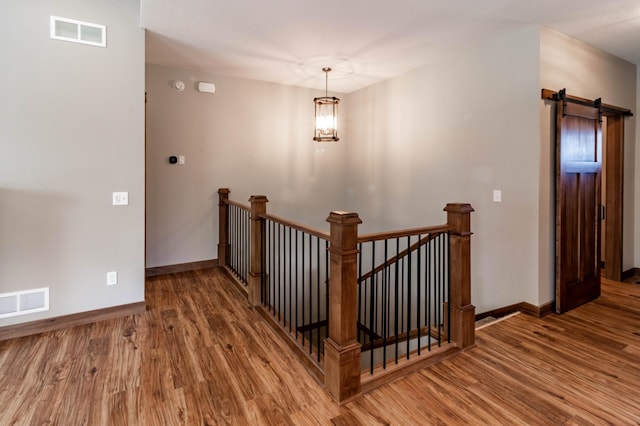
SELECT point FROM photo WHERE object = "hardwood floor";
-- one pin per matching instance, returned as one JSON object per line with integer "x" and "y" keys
{"x": 200, "y": 355}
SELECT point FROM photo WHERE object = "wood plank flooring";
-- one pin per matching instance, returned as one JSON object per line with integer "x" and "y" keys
{"x": 201, "y": 356}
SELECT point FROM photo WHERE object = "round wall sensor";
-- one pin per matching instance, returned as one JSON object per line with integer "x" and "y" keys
{"x": 178, "y": 85}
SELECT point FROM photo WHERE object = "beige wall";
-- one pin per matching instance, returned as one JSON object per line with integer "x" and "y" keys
{"x": 71, "y": 133}
{"x": 250, "y": 136}
{"x": 454, "y": 131}
{"x": 590, "y": 73}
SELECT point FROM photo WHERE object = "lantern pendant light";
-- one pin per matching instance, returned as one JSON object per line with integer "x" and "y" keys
{"x": 326, "y": 114}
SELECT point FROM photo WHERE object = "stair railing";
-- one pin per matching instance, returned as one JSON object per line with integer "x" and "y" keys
{"x": 403, "y": 301}
{"x": 331, "y": 295}
{"x": 234, "y": 242}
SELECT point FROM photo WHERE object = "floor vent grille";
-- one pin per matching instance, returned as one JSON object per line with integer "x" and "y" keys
{"x": 24, "y": 302}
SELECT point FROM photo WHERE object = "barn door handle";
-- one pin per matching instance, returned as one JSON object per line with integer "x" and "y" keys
{"x": 601, "y": 212}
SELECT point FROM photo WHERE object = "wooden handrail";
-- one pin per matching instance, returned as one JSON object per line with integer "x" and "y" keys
{"x": 430, "y": 236}
{"x": 298, "y": 226}
{"x": 404, "y": 233}
{"x": 239, "y": 205}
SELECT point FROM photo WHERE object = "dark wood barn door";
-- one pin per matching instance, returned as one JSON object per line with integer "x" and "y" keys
{"x": 578, "y": 167}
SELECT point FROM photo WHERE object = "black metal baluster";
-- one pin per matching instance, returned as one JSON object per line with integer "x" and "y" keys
{"x": 267, "y": 290}
{"x": 402, "y": 297}
{"x": 326, "y": 275}
{"x": 302, "y": 286}
{"x": 272, "y": 299}
{"x": 283, "y": 294}
{"x": 263, "y": 262}
{"x": 373, "y": 305}
{"x": 427, "y": 294}
{"x": 238, "y": 248}
{"x": 310, "y": 294}
{"x": 272, "y": 273}
{"x": 283, "y": 279}
{"x": 241, "y": 244}
{"x": 247, "y": 246}
{"x": 360, "y": 284}
{"x": 396, "y": 311}
{"x": 367, "y": 307}
{"x": 276, "y": 271}
{"x": 385, "y": 303}
{"x": 290, "y": 256}
{"x": 232, "y": 238}
{"x": 236, "y": 242}
{"x": 419, "y": 284}
{"x": 448, "y": 251}
{"x": 296, "y": 282}
{"x": 409, "y": 273}
{"x": 281, "y": 260}
{"x": 243, "y": 251}
{"x": 232, "y": 235}
{"x": 442, "y": 280}
{"x": 438, "y": 284}
{"x": 318, "y": 301}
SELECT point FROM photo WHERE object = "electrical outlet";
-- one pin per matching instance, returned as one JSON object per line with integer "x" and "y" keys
{"x": 120, "y": 198}
{"x": 112, "y": 278}
{"x": 497, "y": 196}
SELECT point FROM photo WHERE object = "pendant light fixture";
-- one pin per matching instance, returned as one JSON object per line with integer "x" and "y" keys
{"x": 326, "y": 114}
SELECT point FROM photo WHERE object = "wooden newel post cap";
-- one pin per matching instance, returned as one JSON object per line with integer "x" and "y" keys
{"x": 460, "y": 208}
{"x": 344, "y": 218}
{"x": 223, "y": 194}
{"x": 258, "y": 199}
{"x": 459, "y": 216}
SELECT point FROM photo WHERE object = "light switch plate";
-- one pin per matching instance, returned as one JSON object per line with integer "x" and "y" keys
{"x": 112, "y": 278}
{"x": 497, "y": 196}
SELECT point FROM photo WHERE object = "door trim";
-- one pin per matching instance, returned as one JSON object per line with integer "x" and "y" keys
{"x": 614, "y": 187}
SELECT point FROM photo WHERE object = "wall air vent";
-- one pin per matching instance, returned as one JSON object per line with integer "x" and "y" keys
{"x": 24, "y": 302}
{"x": 78, "y": 32}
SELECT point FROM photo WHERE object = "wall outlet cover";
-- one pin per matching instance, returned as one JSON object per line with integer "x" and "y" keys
{"x": 120, "y": 198}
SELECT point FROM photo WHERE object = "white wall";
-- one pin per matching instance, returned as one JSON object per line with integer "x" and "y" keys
{"x": 589, "y": 73}
{"x": 454, "y": 131}
{"x": 71, "y": 132}
{"x": 252, "y": 137}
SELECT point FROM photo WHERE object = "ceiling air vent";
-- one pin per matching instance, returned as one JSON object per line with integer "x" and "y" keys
{"x": 24, "y": 302}
{"x": 78, "y": 31}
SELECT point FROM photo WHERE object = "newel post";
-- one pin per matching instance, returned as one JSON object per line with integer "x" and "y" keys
{"x": 462, "y": 311}
{"x": 342, "y": 350}
{"x": 254, "y": 286}
{"x": 223, "y": 225}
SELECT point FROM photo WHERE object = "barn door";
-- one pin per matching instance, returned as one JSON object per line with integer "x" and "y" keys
{"x": 578, "y": 165}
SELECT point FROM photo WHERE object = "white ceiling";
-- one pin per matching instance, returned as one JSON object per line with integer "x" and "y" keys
{"x": 364, "y": 41}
